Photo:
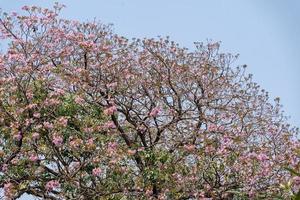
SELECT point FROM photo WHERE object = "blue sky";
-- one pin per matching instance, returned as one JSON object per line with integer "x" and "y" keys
{"x": 264, "y": 32}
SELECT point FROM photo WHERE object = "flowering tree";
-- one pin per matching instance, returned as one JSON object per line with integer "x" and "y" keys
{"x": 87, "y": 114}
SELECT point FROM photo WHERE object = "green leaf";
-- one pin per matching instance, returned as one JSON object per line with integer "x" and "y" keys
{"x": 297, "y": 197}
{"x": 292, "y": 171}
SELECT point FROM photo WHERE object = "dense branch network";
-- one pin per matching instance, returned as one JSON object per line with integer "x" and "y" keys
{"x": 87, "y": 114}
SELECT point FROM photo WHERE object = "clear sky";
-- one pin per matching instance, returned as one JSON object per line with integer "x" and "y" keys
{"x": 266, "y": 33}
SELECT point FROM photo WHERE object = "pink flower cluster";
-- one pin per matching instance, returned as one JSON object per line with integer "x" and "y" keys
{"x": 35, "y": 136}
{"x": 75, "y": 143}
{"x": 109, "y": 125}
{"x": 79, "y": 100}
{"x": 37, "y": 115}
{"x": 189, "y": 147}
{"x": 90, "y": 141}
{"x": 110, "y": 110}
{"x": 296, "y": 180}
{"x": 154, "y": 112}
{"x": 17, "y": 136}
{"x": 48, "y": 125}
{"x": 62, "y": 121}
{"x": 112, "y": 148}
{"x": 8, "y": 190}
{"x": 57, "y": 140}
{"x": 33, "y": 157}
{"x": 262, "y": 157}
{"x": 97, "y": 171}
{"x": 52, "y": 185}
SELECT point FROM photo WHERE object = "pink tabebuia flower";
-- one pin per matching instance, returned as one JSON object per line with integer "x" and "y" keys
{"x": 189, "y": 147}
{"x": 131, "y": 151}
{"x": 48, "y": 125}
{"x": 112, "y": 147}
{"x": 154, "y": 112}
{"x": 35, "y": 136}
{"x": 51, "y": 185}
{"x": 296, "y": 180}
{"x": 79, "y": 100}
{"x": 62, "y": 121}
{"x": 8, "y": 190}
{"x": 262, "y": 157}
{"x": 17, "y": 136}
{"x": 97, "y": 171}
{"x": 57, "y": 140}
{"x": 111, "y": 110}
{"x": 88, "y": 130}
{"x": 15, "y": 161}
{"x": 90, "y": 142}
{"x": 33, "y": 157}
{"x": 37, "y": 115}
{"x": 4, "y": 168}
{"x": 112, "y": 85}
{"x": 109, "y": 125}
{"x": 76, "y": 143}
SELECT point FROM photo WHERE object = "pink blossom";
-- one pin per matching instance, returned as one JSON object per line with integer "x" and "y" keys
{"x": 113, "y": 161}
{"x": 141, "y": 149}
{"x": 4, "y": 168}
{"x": 131, "y": 152}
{"x": 33, "y": 157}
{"x": 39, "y": 126}
{"x": 63, "y": 121}
{"x": 112, "y": 85}
{"x": 28, "y": 122}
{"x": 8, "y": 190}
{"x": 262, "y": 157}
{"x": 252, "y": 155}
{"x": 112, "y": 147}
{"x": 51, "y": 185}
{"x": 35, "y": 136}
{"x": 25, "y": 8}
{"x": 14, "y": 13}
{"x": 96, "y": 160}
{"x": 76, "y": 143}
{"x": 97, "y": 171}
{"x": 30, "y": 106}
{"x": 37, "y": 115}
{"x": 105, "y": 48}
{"x": 88, "y": 130}
{"x": 90, "y": 142}
{"x": 111, "y": 110}
{"x": 251, "y": 193}
{"x": 209, "y": 149}
{"x": 212, "y": 127}
{"x": 17, "y": 136}
{"x": 57, "y": 140}
{"x": 48, "y": 125}
{"x": 79, "y": 100}
{"x": 109, "y": 125}
{"x": 148, "y": 192}
{"x": 51, "y": 102}
{"x": 296, "y": 180}
{"x": 154, "y": 112}
{"x": 79, "y": 70}
{"x": 59, "y": 91}
{"x": 189, "y": 147}
{"x": 15, "y": 161}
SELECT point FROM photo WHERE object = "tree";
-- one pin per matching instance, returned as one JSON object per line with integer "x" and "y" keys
{"x": 88, "y": 114}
